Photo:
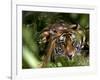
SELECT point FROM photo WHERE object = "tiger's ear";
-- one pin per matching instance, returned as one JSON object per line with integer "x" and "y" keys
{"x": 75, "y": 26}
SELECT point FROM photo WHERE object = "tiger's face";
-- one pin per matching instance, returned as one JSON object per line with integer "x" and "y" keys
{"x": 64, "y": 45}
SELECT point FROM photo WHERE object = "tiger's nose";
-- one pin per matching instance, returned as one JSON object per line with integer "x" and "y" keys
{"x": 70, "y": 57}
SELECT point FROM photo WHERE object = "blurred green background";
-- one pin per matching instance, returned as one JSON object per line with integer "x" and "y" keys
{"x": 32, "y": 24}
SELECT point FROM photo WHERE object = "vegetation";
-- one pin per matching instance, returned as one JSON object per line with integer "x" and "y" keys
{"x": 32, "y": 25}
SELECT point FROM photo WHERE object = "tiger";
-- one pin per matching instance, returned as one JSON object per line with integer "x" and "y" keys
{"x": 62, "y": 40}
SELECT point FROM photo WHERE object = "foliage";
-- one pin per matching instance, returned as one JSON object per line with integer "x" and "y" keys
{"x": 34, "y": 22}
